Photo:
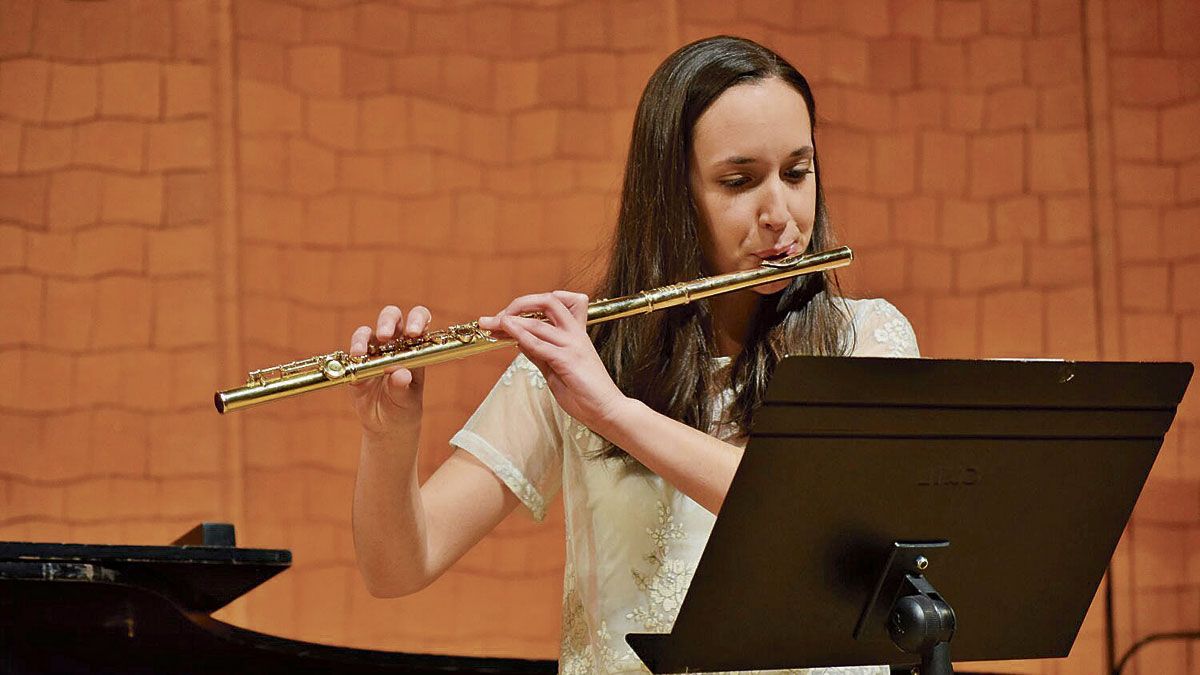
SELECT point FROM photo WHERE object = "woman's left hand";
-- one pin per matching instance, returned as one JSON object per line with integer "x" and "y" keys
{"x": 561, "y": 349}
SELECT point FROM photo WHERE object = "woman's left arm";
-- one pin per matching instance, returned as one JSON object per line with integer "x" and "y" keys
{"x": 697, "y": 464}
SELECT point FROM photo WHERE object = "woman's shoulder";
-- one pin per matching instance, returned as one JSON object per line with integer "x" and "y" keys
{"x": 522, "y": 367}
{"x": 861, "y": 308}
{"x": 522, "y": 379}
{"x": 878, "y": 328}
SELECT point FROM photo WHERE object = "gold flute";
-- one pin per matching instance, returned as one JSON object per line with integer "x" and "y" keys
{"x": 462, "y": 340}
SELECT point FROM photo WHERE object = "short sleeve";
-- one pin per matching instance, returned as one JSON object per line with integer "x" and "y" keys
{"x": 881, "y": 330}
{"x": 516, "y": 432}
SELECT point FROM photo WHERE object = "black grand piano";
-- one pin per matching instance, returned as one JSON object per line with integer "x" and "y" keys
{"x": 75, "y": 609}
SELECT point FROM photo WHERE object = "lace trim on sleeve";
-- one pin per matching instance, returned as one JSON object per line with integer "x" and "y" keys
{"x": 505, "y": 469}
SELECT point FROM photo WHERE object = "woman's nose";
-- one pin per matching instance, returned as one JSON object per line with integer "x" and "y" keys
{"x": 773, "y": 213}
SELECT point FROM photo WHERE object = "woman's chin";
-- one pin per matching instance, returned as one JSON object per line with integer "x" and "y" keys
{"x": 773, "y": 287}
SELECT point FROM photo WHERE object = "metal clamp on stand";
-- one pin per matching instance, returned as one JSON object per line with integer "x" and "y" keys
{"x": 917, "y": 618}
{"x": 922, "y": 623}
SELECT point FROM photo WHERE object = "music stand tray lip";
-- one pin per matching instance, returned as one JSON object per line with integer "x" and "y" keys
{"x": 1032, "y": 519}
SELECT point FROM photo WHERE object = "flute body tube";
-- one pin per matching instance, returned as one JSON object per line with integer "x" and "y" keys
{"x": 463, "y": 340}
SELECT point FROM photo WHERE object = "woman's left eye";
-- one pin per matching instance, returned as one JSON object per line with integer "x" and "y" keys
{"x": 798, "y": 174}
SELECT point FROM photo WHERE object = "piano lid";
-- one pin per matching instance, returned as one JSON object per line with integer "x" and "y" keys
{"x": 197, "y": 578}
{"x": 80, "y": 609}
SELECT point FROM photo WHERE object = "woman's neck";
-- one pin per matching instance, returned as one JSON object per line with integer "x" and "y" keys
{"x": 731, "y": 317}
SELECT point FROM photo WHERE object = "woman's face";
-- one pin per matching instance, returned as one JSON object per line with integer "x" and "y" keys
{"x": 752, "y": 179}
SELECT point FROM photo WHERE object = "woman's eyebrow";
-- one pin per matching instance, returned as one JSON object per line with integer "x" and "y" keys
{"x": 741, "y": 160}
{"x": 737, "y": 160}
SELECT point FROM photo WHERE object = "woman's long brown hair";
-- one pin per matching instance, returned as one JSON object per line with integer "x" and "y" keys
{"x": 665, "y": 359}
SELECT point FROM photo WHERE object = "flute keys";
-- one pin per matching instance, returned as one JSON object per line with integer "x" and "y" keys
{"x": 334, "y": 369}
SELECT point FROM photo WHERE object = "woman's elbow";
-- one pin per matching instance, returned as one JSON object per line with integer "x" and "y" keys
{"x": 393, "y": 586}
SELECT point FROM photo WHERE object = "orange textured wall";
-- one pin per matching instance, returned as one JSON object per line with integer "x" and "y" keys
{"x": 189, "y": 188}
{"x": 109, "y": 278}
{"x": 1146, "y": 176}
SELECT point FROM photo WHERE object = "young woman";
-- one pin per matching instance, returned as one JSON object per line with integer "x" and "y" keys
{"x": 640, "y": 423}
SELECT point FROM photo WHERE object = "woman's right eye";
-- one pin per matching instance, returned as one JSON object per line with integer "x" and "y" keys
{"x": 735, "y": 181}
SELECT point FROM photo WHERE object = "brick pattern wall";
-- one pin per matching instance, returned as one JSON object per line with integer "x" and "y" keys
{"x": 107, "y": 295}
{"x": 997, "y": 165}
{"x": 1153, "y": 96}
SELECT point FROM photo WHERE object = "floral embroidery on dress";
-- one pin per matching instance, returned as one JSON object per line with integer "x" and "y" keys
{"x": 892, "y": 334}
{"x": 894, "y": 331}
{"x": 575, "y": 656}
{"x": 580, "y": 432}
{"x": 666, "y": 585}
{"x": 578, "y": 654}
{"x": 536, "y": 379}
{"x": 612, "y": 660}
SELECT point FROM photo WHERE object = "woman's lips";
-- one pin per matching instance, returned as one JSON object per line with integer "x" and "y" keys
{"x": 777, "y": 251}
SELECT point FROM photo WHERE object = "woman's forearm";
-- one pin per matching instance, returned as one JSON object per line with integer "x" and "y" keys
{"x": 390, "y": 533}
{"x": 697, "y": 464}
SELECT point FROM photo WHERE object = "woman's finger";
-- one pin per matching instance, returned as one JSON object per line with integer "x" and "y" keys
{"x": 530, "y": 344}
{"x": 549, "y": 304}
{"x": 576, "y": 303}
{"x": 359, "y": 340}
{"x": 491, "y": 323}
{"x": 397, "y": 381}
{"x": 385, "y": 325}
{"x": 527, "y": 303}
{"x": 400, "y": 378}
{"x": 557, "y": 312}
{"x": 358, "y": 347}
{"x": 359, "y": 343}
{"x": 549, "y": 333}
{"x": 419, "y": 319}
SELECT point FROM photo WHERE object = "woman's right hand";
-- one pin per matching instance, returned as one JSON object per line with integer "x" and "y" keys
{"x": 389, "y": 404}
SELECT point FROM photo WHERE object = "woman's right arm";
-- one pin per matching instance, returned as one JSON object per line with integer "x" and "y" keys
{"x": 406, "y": 534}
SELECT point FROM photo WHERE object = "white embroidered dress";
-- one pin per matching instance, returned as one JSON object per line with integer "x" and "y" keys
{"x": 633, "y": 540}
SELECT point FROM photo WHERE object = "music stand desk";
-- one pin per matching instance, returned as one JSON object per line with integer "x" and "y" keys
{"x": 1029, "y": 469}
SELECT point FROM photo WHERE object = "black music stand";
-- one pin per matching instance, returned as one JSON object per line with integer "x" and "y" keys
{"x": 860, "y": 471}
